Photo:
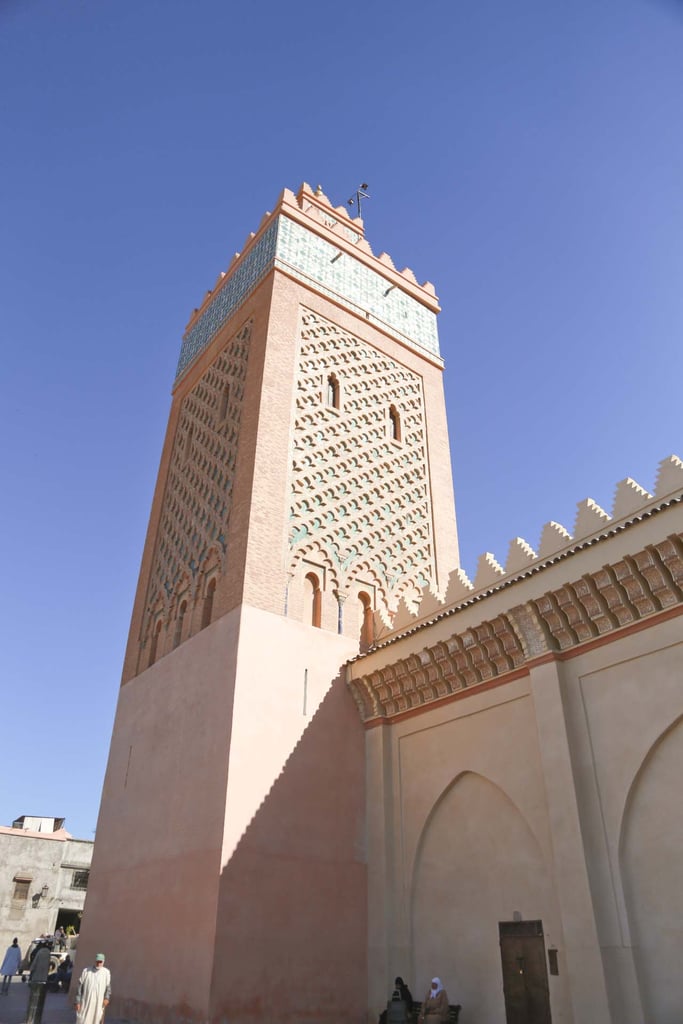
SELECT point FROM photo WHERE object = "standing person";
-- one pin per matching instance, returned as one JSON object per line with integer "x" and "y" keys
{"x": 94, "y": 990}
{"x": 61, "y": 939}
{"x": 435, "y": 1005}
{"x": 40, "y": 968}
{"x": 10, "y": 966}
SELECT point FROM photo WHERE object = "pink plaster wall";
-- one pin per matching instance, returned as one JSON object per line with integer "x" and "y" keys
{"x": 151, "y": 904}
{"x": 282, "y": 665}
{"x": 291, "y": 932}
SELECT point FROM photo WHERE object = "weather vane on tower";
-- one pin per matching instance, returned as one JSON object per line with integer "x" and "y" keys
{"x": 361, "y": 193}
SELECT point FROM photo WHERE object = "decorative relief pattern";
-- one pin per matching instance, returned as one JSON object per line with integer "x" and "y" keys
{"x": 590, "y": 607}
{"x": 615, "y": 596}
{"x": 476, "y": 656}
{"x": 306, "y": 256}
{"x": 248, "y": 271}
{"x": 194, "y": 519}
{"x": 360, "y": 500}
{"x": 310, "y": 258}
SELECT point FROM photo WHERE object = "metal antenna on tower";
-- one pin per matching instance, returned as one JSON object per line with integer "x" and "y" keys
{"x": 360, "y": 194}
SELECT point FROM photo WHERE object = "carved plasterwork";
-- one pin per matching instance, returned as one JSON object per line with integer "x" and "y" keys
{"x": 360, "y": 498}
{"x": 465, "y": 659}
{"x": 592, "y": 606}
{"x": 193, "y": 527}
{"x": 614, "y": 596}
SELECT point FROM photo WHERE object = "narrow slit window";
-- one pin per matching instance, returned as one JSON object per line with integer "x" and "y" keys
{"x": 333, "y": 391}
{"x": 394, "y": 424}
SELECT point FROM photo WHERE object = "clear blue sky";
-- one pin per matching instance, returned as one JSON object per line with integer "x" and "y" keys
{"x": 526, "y": 157}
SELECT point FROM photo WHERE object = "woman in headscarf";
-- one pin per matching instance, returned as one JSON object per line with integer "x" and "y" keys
{"x": 435, "y": 1005}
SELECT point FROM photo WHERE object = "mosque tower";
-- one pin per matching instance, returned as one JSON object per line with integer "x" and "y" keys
{"x": 304, "y": 491}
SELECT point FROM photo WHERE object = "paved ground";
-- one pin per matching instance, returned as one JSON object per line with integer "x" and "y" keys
{"x": 58, "y": 1006}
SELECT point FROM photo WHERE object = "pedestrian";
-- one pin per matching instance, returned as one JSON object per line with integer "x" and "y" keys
{"x": 10, "y": 966}
{"x": 61, "y": 939}
{"x": 94, "y": 990}
{"x": 40, "y": 968}
{"x": 435, "y": 1006}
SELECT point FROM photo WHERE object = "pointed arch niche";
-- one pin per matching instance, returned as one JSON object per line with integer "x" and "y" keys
{"x": 651, "y": 864}
{"x": 367, "y": 623}
{"x": 313, "y": 600}
{"x": 154, "y": 652}
{"x": 207, "y": 603}
{"x": 394, "y": 424}
{"x": 332, "y": 391}
{"x": 477, "y": 862}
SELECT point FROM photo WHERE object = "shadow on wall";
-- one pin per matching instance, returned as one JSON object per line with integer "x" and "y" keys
{"x": 291, "y": 939}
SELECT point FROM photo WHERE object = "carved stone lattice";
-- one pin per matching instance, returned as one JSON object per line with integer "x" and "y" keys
{"x": 476, "y": 656}
{"x": 615, "y": 595}
{"x": 194, "y": 518}
{"x": 360, "y": 495}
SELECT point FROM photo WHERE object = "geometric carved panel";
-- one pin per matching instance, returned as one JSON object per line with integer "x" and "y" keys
{"x": 360, "y": 496}
{"x": 196, "y": 509}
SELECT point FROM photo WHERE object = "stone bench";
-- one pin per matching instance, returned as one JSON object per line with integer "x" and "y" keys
{"x": 453, "y": 1012}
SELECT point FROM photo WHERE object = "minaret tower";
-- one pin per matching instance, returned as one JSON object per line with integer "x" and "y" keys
{"x": 304, "y": 491}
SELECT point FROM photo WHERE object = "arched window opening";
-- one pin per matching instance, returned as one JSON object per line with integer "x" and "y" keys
{"x": 394, "y": 424}
{"x": 367, "y": 632}
{"x": 180, "y": 618}
{"x": 154, "y": 645}
{"x": 207, "y": 608}
{"x": 314, "y": 601}
{"x": 332, "y": 391}
{"x": 225, "y": 401}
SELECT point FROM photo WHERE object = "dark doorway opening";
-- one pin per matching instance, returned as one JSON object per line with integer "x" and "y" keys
{"x": 69, "y": 917}
{"x": 525, "y": 974}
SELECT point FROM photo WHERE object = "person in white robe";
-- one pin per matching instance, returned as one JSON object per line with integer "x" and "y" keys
{"x": 94, "y": 990}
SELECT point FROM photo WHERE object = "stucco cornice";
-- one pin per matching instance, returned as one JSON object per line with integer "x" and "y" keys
{"x": 599, "y": 605}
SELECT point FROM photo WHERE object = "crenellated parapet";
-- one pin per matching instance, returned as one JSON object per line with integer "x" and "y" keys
{"x": 591, "y": 522}
{"x": 319, "y": 244}
{"x": 505, "y": 642}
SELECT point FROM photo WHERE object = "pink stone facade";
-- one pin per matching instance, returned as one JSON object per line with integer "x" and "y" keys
{"x": 336, "y": 758}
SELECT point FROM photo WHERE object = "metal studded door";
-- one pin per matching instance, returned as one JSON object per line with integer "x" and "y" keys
{"x": 525, "y": 975}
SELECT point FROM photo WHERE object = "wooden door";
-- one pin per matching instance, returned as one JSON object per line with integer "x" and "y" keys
{"x": 525, "y": 974}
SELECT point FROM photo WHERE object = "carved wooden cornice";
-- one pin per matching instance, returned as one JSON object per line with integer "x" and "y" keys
{"x": 596, "y": 604}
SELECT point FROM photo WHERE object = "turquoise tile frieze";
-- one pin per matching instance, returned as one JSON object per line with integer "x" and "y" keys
{"x": 311, "y": 259}
{"x": 247, "y": 274}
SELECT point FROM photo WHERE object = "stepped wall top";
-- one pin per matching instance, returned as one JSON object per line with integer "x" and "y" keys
{"x": 323, "y": 247}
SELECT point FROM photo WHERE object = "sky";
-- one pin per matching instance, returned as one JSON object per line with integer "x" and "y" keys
{"x": 526, "y": 157}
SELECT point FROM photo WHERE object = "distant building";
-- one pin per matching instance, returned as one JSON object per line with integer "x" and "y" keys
{"x": 43, "y": 878}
